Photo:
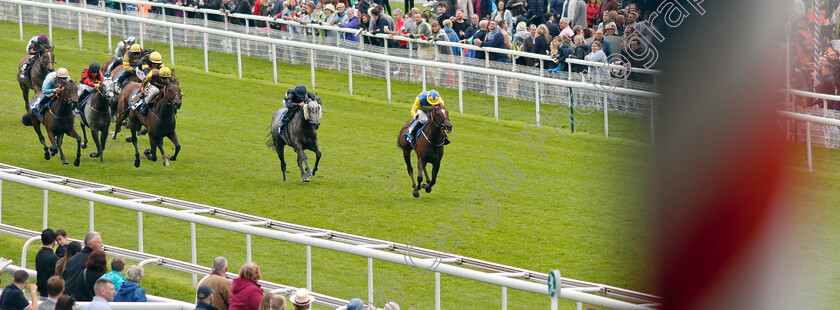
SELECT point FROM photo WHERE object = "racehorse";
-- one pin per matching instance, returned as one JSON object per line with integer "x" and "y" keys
{"x": 58, "y": 120}
{"x": 429, "y": 148}
{"x": 97, "y": 113}
{"x": 120, "y": 108}
{"x": 37, "y": 73}
{"x": 301, "y": 134}
{"x": 160, "y": 121}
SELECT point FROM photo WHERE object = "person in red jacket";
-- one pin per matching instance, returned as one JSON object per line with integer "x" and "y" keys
{"x": 245, "y": 293}
{"x": 91, "y": 77}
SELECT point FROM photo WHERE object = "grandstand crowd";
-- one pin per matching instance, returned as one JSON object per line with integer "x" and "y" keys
{"x": 595, "y": 30}
{"x": 812, "y": 71}
{"x": 68, "y": 272}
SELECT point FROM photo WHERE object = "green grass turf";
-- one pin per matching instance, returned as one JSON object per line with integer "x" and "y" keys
{"x": 578, "y": 209}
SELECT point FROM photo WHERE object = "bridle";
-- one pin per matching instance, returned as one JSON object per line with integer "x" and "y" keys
{"x": 57, "y": 95}
{"x": 49, "y": 60}
{"x": 439, "y": 126}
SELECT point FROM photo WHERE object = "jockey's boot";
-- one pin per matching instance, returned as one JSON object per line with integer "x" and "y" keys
{"x": 284, "y": 119}
{"x": 83, "y": 95}
{"x": 409, "y": 135}
{"x": 23, "y": 69}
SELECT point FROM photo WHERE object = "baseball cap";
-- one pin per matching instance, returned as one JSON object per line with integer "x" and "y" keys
{"x": 204, "y": 291}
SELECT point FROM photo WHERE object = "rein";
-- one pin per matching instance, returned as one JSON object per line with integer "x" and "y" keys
{"x": 58, "y": 91}
{"x": 439, "y": 126}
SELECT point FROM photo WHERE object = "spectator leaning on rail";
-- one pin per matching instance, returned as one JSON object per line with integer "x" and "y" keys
{"x": 246, "y": 293}
{"x": 217, "y": 281}
{"x": 451, "y": 36}
{"x": 115, "y": 276}
{"x": 55, "y": 288}
{"x": 130, "y": 290}
{"x": 302, "y": 299}
{"x": 13, "y": 298}
{"x": 76, "y": 264}
{"x": 45, "y": 261}
{"x": 95, "y": 266}
{"x": 72, "y": 249}
{"x": 104, "y": 294}
{"x": 496, "y": 39}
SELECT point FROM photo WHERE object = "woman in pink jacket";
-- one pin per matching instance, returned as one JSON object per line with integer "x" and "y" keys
{"x": 246, "y": 294}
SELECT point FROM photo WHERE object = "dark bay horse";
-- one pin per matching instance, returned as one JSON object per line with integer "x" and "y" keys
{"x": 58, "y": 121}
{"x": 429, "y": 148}
{"x": 97, "y": 113}
{"x": 160, "y": 121}
{"x": 301, "y": 134}
{"x": 37, "y": 72}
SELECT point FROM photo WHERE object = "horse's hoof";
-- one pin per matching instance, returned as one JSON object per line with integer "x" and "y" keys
{"x": 113, "y": 135}
{"x": 172, "y": 158}
{"x": 166, "y": 161}
{"x": 306, "y": 179}
{"x": 416, "y": 194}
{"x": 46, "y": 155}
{"x": 94, "y": 155}
{"x": 137, "y": 163}
{"x": 76, "y": 162}
{"x": 53, "y": 151}
{"x": 428, "y": 189}
{"x": 64, "y": 162}
{"x": 128, "y": 139}
{"x": 84, "y": 145}
{"x": 424, "y": 185}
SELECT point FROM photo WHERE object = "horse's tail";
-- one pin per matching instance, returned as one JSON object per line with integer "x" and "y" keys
{"x": 26, "y": 120}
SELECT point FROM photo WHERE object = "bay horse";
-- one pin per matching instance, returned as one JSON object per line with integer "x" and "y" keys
{"x": 301, "y": 134}
{"x": 37, "y": 73}
{"x": 429, "y": 148}
{"x": 160, "y": 122}
{"x": 58, "y": 120}
{"x": 97, "y": 113}
{"x": 120, "y": 108}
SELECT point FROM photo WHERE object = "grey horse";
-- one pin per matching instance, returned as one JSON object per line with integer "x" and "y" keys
{"x": 301, "y": 134}
{"x": 97, "y": 113}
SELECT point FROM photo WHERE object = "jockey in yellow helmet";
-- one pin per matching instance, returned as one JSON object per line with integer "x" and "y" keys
{"x": 424, "y": 103}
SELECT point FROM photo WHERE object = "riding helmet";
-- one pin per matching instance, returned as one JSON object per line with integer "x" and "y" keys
{"x": 42, "y": 38}
{"x": 94, "y": 67}
{"x": 131, "y": 40}
{"x": 299, "y": 91}
{"x": 165, "y": 72}
{"x": 62, "y": 73}
{"x": 156, "y": 58}
{"x": 433, "y": 97}
{"x": 135, "y": 48}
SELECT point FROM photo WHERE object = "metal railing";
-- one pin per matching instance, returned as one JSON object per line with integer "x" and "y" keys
{"x": 827, "y": 120}
{"x": 479, "y": 270}
{"x": 491, "y": 81}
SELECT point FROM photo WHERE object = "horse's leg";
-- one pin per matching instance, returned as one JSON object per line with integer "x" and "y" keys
{"x": 51, "y": 135}
{"x": 136, "y": 151}
{"x": 174, "y": 138}
{"x": 37, "y": 126}
{"x": 317, "y": 158}
{"x": 25, "y": 90}
{"x": 120, "y": 118}
{"x": 280, "y": 155}
{"x": 301, "y": 160}
{"x": 162, "y": 154}
{"x": 99, "y": 138}
{"x": 435, "y": 167}
{"x": 72, "y": 133}
{"x": 151, "y": 153}
{"x": 407, "y": 157}
{"x": 59, "y": 139}
{"x": 428, "y": 180}
{"x": 84, "y": 134}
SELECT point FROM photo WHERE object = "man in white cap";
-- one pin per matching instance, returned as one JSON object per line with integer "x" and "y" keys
{"x": 302, "y": 300}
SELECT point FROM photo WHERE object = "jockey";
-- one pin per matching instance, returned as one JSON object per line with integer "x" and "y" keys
{"x": 423, "y": 104}
{"x": 155, "y": 62}
{"x": 119, "y": 52}
{"x": 154, "y": 82}
{"x": 135, "y": 54}
{"x": 91, "y": 77}
{"x": 294, "y": 100}
{"x": 35, "y": 46}
{"x": 49, "y": 87}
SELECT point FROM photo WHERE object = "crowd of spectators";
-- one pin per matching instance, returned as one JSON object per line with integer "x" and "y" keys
{"x": 559, "y": 29}
{"x": 82, "y": 275}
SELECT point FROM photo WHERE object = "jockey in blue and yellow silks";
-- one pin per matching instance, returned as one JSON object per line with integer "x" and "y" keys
{"x": 423, "y": 104}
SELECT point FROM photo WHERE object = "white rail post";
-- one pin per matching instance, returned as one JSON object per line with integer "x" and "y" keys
{"x": 49, "y": 22}
{"x": 579, "y": 306}
{"x": 20, "y": 20}
{"x": 437, "y": 290}
{"x": 461, "y": 91}
{"x": 140, "y": 231}
{"x": 185, "y": 32}
{"x": 248, "y": 248}
{"x": 423, "y": 74}
{"x": 171, "y": 46}
{"x": 193, "y": 246}
{"x": 109, "y": 34}
{"x": 537, "y": 99}
{"x": 496, "y": 97}
{"x": 80, "y": 30}
{"x": 387, "y": 76}
{"x": 312, "y": 67}
{"x": 350, "y": 73}
{"x": 90, "y": 214}
{"x": 239, "y": 56}
{"x": 142, "y": 27}
{"x": 46, "y": 207}
{"x": 274, "y": 60}
{"x": 370, "y": 280}
{"x": 504, "y": 298}
{"x": 606, "y": 117}
{"x": 206, "y": 63}
{"x": 808, "y": 144}
{"x": 309, "y": 267}
{"x": 1, "y": 201}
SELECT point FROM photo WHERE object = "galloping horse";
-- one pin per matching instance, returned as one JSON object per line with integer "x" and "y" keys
{"x": 160, "y": 122}
{"x": 301, "y": 134}
{"x": 97, "y": 113}
{"x": 429, "y": 148}
{"x": 37, "y": 73}
{"x": 58, "y": 120}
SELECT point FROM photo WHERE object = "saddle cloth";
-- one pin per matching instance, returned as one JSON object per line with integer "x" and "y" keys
{"x": 138, "y": 105}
